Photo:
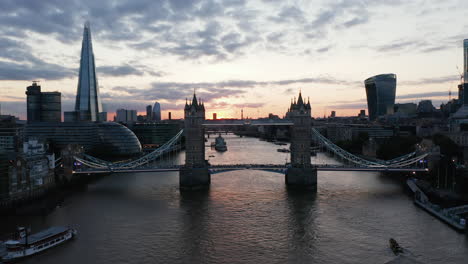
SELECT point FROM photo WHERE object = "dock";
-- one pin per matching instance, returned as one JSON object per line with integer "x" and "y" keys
{"x": 450, "y": 216}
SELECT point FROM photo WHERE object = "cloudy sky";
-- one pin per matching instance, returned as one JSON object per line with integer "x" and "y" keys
{"x": 238, "y": 54}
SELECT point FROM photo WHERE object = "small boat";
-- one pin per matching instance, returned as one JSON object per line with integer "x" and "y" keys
{"x": 280, "y": 143}
{"x": 220, "y": 144}
{"x": 27, "y": 245}
{"x": 283, "y": 150}
{"x": 395, "y": 247}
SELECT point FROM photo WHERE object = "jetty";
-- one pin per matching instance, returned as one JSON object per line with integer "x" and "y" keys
{"x": 452, "y": 216}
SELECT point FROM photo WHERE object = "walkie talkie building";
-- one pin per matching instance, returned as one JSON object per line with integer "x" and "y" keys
{"x": 380, "y": 91}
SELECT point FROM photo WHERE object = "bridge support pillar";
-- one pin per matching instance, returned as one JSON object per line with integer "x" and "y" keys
{"x": 302, "y": 177}
{"x": 195, "y": 173}
{"x": 194, "y": 178}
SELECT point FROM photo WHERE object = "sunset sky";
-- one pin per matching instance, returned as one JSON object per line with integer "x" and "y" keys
{"x": 251, "y": 55}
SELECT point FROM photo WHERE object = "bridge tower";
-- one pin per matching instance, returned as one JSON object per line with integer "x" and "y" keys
{"x": 195, "y": 173}
{"x": 301, "y": 173}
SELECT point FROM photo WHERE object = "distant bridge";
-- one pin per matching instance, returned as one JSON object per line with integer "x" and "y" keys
{"x": 277, "y": 168}
{"x": 248, "y": 122}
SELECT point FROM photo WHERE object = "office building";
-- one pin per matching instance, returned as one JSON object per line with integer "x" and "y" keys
{"x": 43, "y": 106}
{"x": 409, "y": 109}
{"x": 157, "y": 112}
{"x": 88, "y": 106}
{"x": 11, "y": 134}
{"x": 152, "y": 135}
{"x": 149, "y": 113}
{"x": 362, "y": 113}
{"x": 126, "y": 116}
{"x": 380, "y": 91}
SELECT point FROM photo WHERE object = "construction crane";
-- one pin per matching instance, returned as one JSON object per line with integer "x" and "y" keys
{"x": 461, "y": 75}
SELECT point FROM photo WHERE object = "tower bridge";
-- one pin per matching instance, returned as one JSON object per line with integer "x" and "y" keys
{"x": 196, "y": 172}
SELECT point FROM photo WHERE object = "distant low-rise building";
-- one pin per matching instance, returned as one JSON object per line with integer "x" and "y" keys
{"x": 153, "y": 135}
{"x": 126, "y": 116}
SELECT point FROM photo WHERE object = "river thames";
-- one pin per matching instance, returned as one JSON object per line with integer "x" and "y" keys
{"x": 245, "y": 217}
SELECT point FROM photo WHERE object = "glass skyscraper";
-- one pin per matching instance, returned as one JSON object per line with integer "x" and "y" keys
{"x": 88, "y": 105}
{"x": 380, "y": 91}
{"x": 157, "y": 112}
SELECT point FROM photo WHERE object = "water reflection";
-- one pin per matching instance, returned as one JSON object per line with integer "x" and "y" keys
{"x": 302, "y": 213}
{"x": 195, "y": 219}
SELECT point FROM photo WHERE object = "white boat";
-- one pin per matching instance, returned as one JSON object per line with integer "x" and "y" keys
{"x": 27, "y": 245}
{"x": 220, "y": 144}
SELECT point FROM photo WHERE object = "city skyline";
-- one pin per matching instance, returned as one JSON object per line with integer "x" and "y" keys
{"x": 233, "y": 53}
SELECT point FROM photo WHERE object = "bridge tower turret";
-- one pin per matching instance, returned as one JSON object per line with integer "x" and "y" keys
{"x": 195, "y": 172}
{"x": 301, "y": 172}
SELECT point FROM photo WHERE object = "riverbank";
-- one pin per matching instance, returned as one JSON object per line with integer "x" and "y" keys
{"x": 47, "y": 200}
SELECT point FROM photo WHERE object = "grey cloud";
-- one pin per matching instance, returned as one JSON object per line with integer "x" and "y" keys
{"x": 396, "y": 46}
{"x": 427, "y": 45}
{"x": 290, "y": 14}
{"x": 26, "y": 66}
{"x": 250, "y": 105}
{"x": 118, "y": 70}
{"x": 356, "y": 21}
{"x": 348, "y": 106}
{"x": 209, "y": 91}
{"x": 422, "y": 95}
{"x": 16, "y": 71}
{"x": 434, "y": 80}
{"x": 324, "y": 49}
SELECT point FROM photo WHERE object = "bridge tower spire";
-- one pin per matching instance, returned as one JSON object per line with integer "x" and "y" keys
{"x": 195, "y": 172}
{"x": 301, "y": 172}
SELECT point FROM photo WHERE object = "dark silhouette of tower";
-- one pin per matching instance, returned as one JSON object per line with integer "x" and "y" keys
{"x": 301, "y": 173}
{"x": 88, "y": 105}
{"x": 195, "y": 172}
{"x": 43, "y": 106}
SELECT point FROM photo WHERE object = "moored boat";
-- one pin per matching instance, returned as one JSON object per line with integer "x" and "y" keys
{"x": 283, "y": 150}
{"x": 27, "y": 245}
{"x": 220, "y": 144}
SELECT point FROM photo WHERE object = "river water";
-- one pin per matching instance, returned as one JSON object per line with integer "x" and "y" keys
{"x": 245, "y": 217}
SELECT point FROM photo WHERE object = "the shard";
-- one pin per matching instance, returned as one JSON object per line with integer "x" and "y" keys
{"x": 88, "y": 105}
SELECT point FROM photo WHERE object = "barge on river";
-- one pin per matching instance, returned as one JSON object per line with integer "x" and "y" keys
{"x": 27, "y": 245}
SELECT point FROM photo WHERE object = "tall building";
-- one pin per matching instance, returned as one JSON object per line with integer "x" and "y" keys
{"x": 126, "y": 116}
{"x": 157, "y": 112}
{"x": 43, "y": 106}
{"x": 88, "y": 105}
{"x": 380, "y": 91}
{"x": 149, "y": 113}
